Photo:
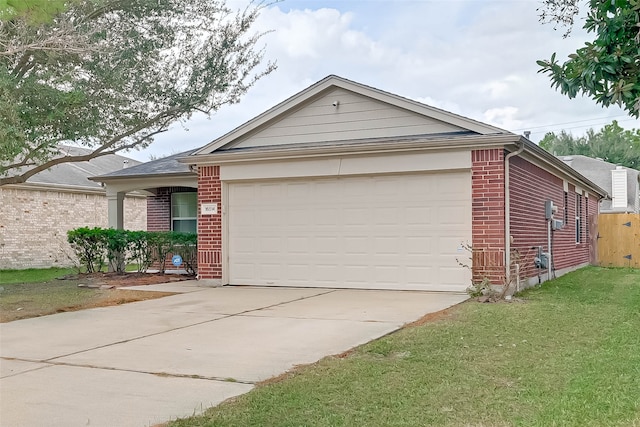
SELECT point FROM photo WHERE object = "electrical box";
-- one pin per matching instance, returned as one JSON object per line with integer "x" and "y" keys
{"x": 557, "y": 224}
{"x": 549, "y": 209}
{"x": 542, "y": 261}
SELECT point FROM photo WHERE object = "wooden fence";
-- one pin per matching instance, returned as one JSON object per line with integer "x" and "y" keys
{"x": 619, "y": 240}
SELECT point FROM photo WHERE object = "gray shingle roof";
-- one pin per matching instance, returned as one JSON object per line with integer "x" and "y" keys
{"x": 599, "y": 172}
{"x": 77, "y": 174}
{"x": 165, "y": 165}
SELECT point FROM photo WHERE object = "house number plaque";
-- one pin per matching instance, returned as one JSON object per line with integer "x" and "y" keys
{"x": 209, "y": 208}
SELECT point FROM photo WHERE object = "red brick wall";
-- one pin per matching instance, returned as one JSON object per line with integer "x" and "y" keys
{"x": 530, "y": 186}
{"x": 209, "y": 226}
{"x": 487, "y": 230}
{"x": 159, "y": 208}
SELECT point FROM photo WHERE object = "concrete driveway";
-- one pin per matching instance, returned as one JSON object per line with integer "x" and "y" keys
{"x": 149, "y": 362}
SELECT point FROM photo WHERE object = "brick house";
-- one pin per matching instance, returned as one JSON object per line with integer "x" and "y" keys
{"x": 344, "y": 185}
{"x": 35, "y": 216}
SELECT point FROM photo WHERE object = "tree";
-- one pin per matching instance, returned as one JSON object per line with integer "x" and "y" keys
{"x": 612, "y": 144}
{"x": 607, "y": 69}
{"x": 111, "y": 74}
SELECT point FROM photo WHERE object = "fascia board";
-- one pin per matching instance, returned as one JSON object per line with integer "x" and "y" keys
{"x": 284, "y": 152}
{"x": 108, "y": 179}
{"x": 307, "y": 95}
{"x": 267, "y": 116}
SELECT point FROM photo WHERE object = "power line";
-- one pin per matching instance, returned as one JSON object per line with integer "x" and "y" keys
{"x": 578, "y": 121}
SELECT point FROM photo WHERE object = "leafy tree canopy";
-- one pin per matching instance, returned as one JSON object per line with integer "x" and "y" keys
{"x": 612, "y": 144}
{"x": 110, "y": 74}
{"x": 607, "y": 69}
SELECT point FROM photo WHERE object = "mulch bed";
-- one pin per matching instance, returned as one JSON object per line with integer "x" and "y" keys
{"x": 127, "y": 279}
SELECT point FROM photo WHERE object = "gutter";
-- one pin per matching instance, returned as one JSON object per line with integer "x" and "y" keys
{"x": 507, "y": 213}
{"x": 341, "y": 148}
{"x": 106, "y": 179}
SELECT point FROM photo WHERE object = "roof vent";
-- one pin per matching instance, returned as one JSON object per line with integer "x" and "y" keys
{"x": 527, "y": 134}
{"x": 125, "y": 164}
{"x": 567, "y": 160}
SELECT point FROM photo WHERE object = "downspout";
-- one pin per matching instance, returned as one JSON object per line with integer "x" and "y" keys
{"x": 507, "y": 216}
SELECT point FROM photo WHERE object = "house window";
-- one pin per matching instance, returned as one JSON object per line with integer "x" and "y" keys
{"x": 578, "y": 218}
{"x": 184, "y": 212}
{"x": 586, "y": 217}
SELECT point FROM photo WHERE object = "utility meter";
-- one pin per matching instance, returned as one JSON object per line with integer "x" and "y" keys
{"x": 542, "y": 261}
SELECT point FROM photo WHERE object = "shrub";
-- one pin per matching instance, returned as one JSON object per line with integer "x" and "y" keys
{"x": 187, "y": 245}
{"x": 140, "y": 251}
{"x": 89, "y": 245}
{"x": 93, "y": 245}
{"x": 117, "y": 242}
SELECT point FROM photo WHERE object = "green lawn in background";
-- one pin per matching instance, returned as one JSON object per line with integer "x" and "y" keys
{"x": 567, "y": 354}
{"x": 33, "y": 275}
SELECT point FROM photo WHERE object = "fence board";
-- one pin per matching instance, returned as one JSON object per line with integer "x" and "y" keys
{"x": 619, "y": 240}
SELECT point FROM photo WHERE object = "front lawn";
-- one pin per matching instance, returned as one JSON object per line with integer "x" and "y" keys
{"x": 568, "y": 354}
{"x": 38, "y": 292}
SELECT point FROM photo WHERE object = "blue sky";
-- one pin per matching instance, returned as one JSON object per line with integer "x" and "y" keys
{"x": 476, "y": 58}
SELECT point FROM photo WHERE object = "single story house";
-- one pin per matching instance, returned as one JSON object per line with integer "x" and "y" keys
{"x": 345, "y": 185}
{"x": 622, "y": 183}
{"x": 36, "y": 215}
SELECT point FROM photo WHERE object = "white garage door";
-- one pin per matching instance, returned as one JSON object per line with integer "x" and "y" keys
{"x": 373, "y": 232}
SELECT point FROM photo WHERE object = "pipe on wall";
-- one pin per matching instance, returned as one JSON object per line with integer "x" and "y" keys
{"x": 507, "y": 213}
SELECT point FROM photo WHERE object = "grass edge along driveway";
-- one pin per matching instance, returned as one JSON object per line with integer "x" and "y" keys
{"x": 567, "y": 355}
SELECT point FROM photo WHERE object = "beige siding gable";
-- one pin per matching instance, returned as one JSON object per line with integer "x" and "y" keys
{"x": 354, "y": 117}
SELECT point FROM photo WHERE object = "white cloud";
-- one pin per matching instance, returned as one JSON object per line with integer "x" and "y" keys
{"x": 473, "y": 58}
{"x": 504, "y": 117}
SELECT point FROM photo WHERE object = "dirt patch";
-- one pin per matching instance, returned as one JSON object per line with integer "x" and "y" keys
{"x": 432, "y": 317}
{"x": 126, "y": 279}
{"x": 78, "y": 292}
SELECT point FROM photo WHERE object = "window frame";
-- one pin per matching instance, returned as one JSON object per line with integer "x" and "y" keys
{"x": 578, "y": 218}
{"x": 185, "y": 218}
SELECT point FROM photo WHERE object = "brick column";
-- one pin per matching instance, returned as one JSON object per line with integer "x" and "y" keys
{"x": 209, "y": 225}
{"x": 487, "y": 189}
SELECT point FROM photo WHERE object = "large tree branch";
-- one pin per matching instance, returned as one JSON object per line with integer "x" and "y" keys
{"x": 98, "y": 152}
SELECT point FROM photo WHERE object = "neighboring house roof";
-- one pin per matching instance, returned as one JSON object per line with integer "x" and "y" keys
{"x": 76, "y": 174}
{"x": 599, "y": 171}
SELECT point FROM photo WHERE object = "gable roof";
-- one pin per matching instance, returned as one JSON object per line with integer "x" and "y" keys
{"x": 76, "y": 174}
{"x": 599, "y": 171}
{"x": 333, "y": 82}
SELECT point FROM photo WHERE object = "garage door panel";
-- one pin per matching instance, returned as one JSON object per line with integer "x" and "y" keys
{"x": 399, "y": 232}
{"x": 450, "y": 247}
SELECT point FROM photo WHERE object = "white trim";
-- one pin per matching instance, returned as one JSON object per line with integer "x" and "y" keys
{"x": 188, "y": 218}
{"x": 348, "y": 165}
{"x": 314, "y": 91}
{"x": 225, "y": 232}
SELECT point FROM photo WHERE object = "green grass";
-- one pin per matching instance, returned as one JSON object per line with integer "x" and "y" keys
{"x": 33, "y": 275}
{"x": 37, "y": 292}
{"x": 37, "y": 275}
{"x": 24, "y": 300}
{"x": 568, "y": 355}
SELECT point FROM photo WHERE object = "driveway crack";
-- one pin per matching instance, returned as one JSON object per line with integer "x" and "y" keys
{"x": 240, "y": 313}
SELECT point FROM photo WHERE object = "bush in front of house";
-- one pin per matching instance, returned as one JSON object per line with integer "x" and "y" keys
{"x": 96, "y": 246}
